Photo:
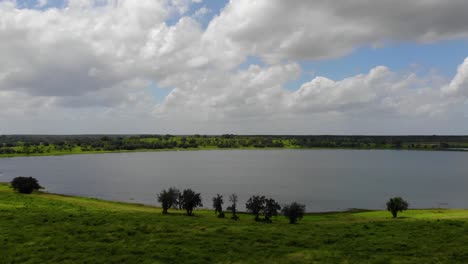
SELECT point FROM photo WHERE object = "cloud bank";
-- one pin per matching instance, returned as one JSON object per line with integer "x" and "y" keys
{"x": 91, "y": 66}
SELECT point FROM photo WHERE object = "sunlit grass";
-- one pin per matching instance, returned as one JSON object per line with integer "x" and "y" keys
{"x": 48, "y": 228}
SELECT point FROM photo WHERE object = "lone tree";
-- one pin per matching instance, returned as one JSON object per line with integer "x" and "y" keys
{"x": 233, "y": 208}
{"x": 255, "y": 205}
{"x": 218, "y": 205}
{"x": 25, "y": 185}
{"x": 271, "y": 209}
{"x": 191, "y": 200}
{"x": 397, "y": 204}
{"x": 294, "y": 212}
{"x": 168, "y": 199}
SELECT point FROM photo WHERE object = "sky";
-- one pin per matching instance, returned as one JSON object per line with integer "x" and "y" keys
{"x": 379, "y": 67}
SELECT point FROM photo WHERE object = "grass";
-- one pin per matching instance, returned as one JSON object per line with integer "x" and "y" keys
{"x": 49, "y": 228}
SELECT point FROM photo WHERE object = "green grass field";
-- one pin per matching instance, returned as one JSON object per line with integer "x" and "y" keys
{"x": 48, "y": 228}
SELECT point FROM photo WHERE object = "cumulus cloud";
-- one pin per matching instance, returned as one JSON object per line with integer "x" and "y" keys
{"x": 93, "y": 63}
{"x": 303, "y": 29}
{"x": 459, "y": 85}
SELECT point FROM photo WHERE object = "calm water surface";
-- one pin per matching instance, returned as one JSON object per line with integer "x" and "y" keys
{"x": 324, "y": 180}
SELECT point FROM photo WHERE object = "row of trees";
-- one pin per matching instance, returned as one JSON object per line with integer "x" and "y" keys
{"x": 29, "y": 144}
{"x": 257, "y": 205}
{"x": 190, "y": 200}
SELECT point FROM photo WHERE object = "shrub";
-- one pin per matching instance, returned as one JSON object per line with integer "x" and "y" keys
{"x": 294, "y": 212}
{"x": 233, "y": 207}
{"x": 168, "y": 199}
{"x": 255, "y": 205}
{"x": 218, "y": 204}
{"x": 25, "y": 185}
{"x": 271, "y": 209}
{"x": 395, "y": 205}
{"x": 190, "y": 201}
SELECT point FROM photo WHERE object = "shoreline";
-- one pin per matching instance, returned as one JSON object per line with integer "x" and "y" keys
{"x": 211, "y": 149}
{"x": 177, "y": 211}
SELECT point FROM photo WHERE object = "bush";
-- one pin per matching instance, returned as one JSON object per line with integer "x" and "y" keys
{"x": 218, "y": 204}
{"x": 233, "y": 208}
{"x": 255, "y": 205}
{"x": 168, "y": 199}
{"x": 260, "y": 204}
{"x": 395, "y": 205}
{"x": 271, "y": 209}
{"x": 191, "y": 200}
{"x": 25, "y": 185}
{"x": 294, "y": 212}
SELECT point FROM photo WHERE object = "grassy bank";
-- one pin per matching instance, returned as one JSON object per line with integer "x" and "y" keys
{"x": 48, "y": 228}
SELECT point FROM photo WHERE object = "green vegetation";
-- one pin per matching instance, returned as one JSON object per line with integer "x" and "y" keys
{"x": 395, "y": 205}
{"x": 169, "y": 199}
{"x": 40, "y": 145}
{"x": 25, "y": 185}
{"x": 294, "y": 212}
{"x": 48, "y": 228}
{"x": 218, "y": 205}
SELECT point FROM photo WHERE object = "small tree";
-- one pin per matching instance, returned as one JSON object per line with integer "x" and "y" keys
{"x": 294, "y": 212}
{"x": 271, "y": 209}
{"x": 191, "y": 200}
{"x": 168, "y": 199}
{"x": 218, "y": 205}
{"x": 395, "y": 205}
{"x": 25, "y": 185}
{"x": 180, "y": 201}
{"x": 255, "y": 205}
{"x": 233, "y": 208}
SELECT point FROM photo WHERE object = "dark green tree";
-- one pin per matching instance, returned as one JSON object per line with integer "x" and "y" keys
{"x": 191, "y": 200}
{"x": 294, "y": 212}
{"x": 271, "y": 209}
{"x": 168, "y": 199}
{"x": 395, "y": 205}
{"x": 255, "y": 205}
{"x": 25, "y": 185}
{"x": 218, "y": 205}
{"x": 233, "y": 208}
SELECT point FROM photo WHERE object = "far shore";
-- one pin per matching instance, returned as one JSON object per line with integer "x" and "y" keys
{"x": 73, "y": 152}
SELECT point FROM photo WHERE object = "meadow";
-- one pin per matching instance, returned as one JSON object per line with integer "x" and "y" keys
{"x": 50, "y": 228}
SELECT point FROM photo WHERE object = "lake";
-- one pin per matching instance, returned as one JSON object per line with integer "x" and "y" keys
{"x": 324, "y": 180}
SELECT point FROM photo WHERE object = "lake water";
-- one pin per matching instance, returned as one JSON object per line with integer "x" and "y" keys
{"x": 324, "y": 180}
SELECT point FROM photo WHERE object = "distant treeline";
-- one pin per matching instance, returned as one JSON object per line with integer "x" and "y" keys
{"x": 44, "y": 144}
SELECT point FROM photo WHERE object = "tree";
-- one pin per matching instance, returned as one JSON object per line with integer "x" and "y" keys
{"x": 255, "y": 205}
{"x": 395, "y": 205}
{"x": 191, "y": 200}
{"x": 168, "y": 199}
{"x": 218, "y": 205}
{"x": 25, "y": 185}
{"x": 271, "y": 209}
{"x": 233, "y": 207}
{"x": 294, "y": 212}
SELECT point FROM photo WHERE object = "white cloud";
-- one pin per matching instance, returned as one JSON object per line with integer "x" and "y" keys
{"x": 42, "y": 3}
{"x": 92, "y": 64}
{"x": 303, "y": 29}
{"x": 459, "y": 85}
{"x": 201, "y": 12}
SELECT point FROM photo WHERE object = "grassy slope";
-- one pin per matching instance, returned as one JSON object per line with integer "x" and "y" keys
{"x": 47, "y": 228}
